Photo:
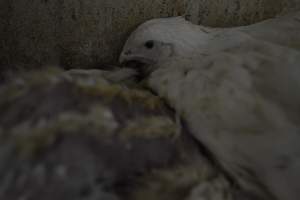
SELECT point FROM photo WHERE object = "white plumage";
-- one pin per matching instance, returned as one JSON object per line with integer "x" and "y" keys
{"x": 238, "y": 89}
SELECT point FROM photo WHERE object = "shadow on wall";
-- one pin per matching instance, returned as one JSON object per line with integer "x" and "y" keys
{"x": 86, "y": 34}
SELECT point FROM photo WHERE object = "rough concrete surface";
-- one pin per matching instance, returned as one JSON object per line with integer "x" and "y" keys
{"x": 226, "y": 13}
{"x": 85, "y": 34}
{"x": 72, "y": 33}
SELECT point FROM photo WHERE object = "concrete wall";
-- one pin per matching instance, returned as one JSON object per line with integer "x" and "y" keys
{"x": 237, "y": 12}
{"x": 88, "y": 33}
{"x": 77, "y": 33}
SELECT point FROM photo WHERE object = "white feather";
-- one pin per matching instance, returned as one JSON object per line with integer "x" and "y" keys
{"x": 239, "y": 91}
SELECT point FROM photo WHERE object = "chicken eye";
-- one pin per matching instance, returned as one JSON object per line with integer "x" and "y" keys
{"x": 149, "y": 44}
